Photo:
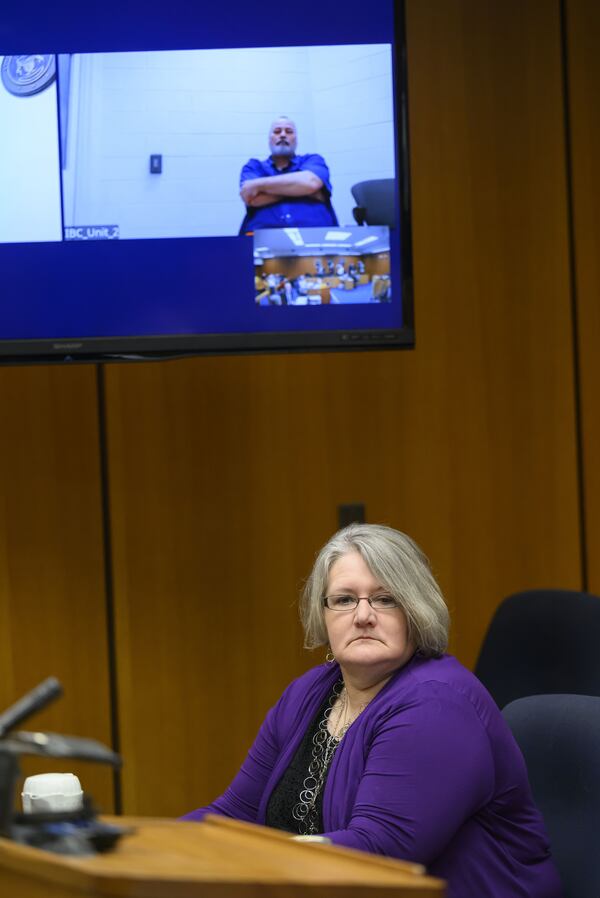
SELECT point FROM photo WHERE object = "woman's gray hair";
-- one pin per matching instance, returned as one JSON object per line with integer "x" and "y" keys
{"x": 401, "y": 568}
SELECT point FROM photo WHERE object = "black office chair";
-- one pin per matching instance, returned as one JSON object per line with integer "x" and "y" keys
{"x": 542, "y": 641}
{"x": 559, "y": 736}
{"x": 375, "y": 202}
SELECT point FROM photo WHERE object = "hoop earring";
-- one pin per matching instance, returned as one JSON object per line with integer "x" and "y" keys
{"x": 329, "y": 657}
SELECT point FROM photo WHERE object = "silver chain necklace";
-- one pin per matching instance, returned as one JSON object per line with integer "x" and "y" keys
{"x": 324, "y": 747}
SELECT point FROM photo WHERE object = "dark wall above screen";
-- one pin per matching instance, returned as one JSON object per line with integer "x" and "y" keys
{"x": 189, "y": 179}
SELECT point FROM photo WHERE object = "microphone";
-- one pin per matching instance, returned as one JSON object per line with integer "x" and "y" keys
{"x": 53, "y": 745}
{"x": 42, "y": 695}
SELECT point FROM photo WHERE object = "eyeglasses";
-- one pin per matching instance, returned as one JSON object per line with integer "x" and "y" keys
{"x": 381, "y": 601}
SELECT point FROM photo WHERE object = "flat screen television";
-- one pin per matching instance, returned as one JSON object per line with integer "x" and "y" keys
{"x": 187, "y": 178}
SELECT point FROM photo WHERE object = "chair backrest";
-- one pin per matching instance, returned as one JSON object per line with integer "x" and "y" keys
{"x": 559, "y": 736}
{"x": 542, "y": 641}
{"x": 376, "y": 199}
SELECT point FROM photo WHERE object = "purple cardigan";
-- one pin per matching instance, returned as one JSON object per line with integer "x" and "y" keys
{"x": 429, "y": 772}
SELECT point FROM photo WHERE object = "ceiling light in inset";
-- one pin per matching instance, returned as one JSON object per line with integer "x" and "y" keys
{"x": 294, "y": 235}
{"x": 338, "y": 235}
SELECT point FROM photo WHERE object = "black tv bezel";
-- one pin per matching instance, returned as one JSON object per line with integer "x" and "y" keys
{"x": 172, "y": 346}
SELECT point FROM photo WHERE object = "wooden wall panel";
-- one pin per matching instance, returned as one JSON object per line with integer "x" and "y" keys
{"x": 225, "y": 473}
{"x": 52, "y": 605}
{"x": 583, "y": 30}
{"x": 491, "y": 271}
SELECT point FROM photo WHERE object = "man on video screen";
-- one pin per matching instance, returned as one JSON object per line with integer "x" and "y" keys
{"x": 286, "y": 190}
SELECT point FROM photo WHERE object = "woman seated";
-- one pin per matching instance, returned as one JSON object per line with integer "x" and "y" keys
{"x": 392, "y": 746}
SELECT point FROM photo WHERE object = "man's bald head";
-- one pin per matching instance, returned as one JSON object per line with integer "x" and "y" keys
{"x": 283, "y": 137}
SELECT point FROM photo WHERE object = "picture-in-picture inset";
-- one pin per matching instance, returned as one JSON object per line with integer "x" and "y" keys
{"x": 322, "y": 266}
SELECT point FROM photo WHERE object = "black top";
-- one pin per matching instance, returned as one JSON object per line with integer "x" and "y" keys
{"x": 286, "y": 793}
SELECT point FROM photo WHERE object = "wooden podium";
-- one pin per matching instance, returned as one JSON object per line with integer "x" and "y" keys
{"x": 218, "y": 858}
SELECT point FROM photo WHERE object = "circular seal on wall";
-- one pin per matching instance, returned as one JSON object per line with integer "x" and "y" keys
{"x": 27, "y": 75}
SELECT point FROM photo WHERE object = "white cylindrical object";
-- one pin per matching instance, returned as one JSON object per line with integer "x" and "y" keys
{"x": 60, "y": 792}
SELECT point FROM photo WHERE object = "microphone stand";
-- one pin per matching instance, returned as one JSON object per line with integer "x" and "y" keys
{"x": 75, "y": 832}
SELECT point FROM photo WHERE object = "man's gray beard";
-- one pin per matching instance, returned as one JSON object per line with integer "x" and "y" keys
{"x": 282, "y": 149}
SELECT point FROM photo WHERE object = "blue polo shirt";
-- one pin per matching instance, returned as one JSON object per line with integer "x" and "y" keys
{"x": 291, "y": 211}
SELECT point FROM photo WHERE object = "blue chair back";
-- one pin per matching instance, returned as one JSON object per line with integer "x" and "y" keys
{"x": 559, "y": 736}
{"x": 542, "y": 641}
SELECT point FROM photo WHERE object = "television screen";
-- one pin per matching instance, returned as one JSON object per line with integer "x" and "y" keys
{"x": 187, "y": 180}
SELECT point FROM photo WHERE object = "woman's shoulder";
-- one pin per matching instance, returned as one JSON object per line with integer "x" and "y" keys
{"x": 445, "y": 680}
{"x": 443, "y": 669}
{"x": 301, "y": 698}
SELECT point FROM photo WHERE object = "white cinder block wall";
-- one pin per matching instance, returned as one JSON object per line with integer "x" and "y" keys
{"x": 354, "y": 117}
